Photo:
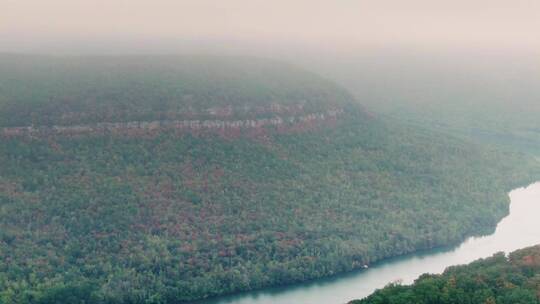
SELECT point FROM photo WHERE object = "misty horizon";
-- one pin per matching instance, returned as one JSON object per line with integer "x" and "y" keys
{"x": 241, "y": 26}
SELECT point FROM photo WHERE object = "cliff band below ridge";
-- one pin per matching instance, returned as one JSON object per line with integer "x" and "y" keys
{"x": 283, "y": 124}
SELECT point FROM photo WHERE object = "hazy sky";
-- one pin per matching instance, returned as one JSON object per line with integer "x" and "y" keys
{"x": 37, "y": 24}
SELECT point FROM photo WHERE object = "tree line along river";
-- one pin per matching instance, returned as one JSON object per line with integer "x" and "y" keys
{"x": 519, "y": 229}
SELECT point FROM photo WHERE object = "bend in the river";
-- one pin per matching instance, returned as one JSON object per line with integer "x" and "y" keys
{"x": 519, "y": 229}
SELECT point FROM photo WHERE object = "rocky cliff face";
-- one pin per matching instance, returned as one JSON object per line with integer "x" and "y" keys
{"x": 282, "y": 123}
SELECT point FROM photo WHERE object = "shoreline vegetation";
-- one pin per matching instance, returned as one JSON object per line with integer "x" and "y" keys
{"x": 502, "y": 278}
{"x": 360, "y": 268}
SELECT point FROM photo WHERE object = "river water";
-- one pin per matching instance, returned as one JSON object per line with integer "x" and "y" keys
{"x": 521, "y": 228}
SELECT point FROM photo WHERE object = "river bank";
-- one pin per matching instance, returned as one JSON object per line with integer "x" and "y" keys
{"x": 519, "y": 229}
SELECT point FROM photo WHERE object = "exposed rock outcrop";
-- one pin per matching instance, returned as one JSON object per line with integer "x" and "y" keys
{"x": 186, "y": 125}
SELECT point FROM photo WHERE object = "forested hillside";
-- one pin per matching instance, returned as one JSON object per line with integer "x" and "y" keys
{"x": 137, "y": 208}
{"x": 500, "y": 279}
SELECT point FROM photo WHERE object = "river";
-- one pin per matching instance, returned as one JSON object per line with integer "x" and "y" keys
{"x": 521, "y": 228}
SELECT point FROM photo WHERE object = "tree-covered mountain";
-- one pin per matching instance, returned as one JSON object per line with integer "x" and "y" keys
{"x": 499, "y": 279}
{"x": 169, "y": 179}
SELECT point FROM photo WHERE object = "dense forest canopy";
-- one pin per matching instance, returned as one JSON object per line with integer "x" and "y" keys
{"x": 168, "y": 215}
{"x": 499, "y": 279}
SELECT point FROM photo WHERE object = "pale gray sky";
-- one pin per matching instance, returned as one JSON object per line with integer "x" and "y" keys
{"x": 343, "y": 23}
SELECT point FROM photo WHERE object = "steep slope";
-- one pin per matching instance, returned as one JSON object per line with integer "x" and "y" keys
{"x": 499, "y": 279}
{"x": 167, "y": 179}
